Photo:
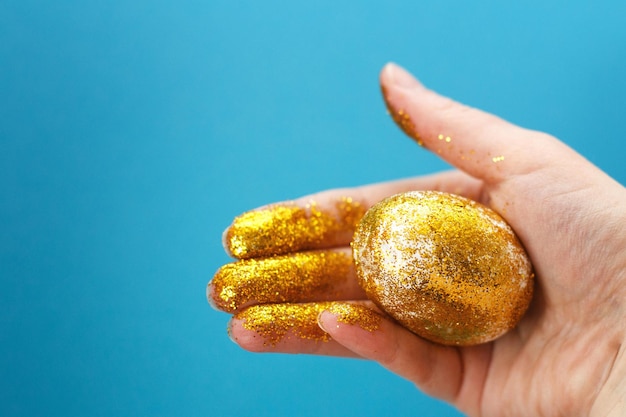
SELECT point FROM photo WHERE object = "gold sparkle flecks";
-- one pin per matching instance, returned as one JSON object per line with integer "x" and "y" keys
{"x": 285, "y": 228}
{"x": 298, "y": 277}
{"x": 447, "y": 268}
{"x": 275, "y": 322}
{"x": 498, "y": 158}
{"x": 402, "y": 120}
{"x": 444, "y": 138}
{"x": 356, "y": 314}
{"x": 350, "y": 212}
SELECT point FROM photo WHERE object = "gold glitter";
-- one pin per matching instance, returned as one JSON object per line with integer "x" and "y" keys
{"x": 358, "y": 314}
{"x": 274, "y": 322}
{"x": 402, "y": 120}
{"x": 281, "y": 229}
{"x": 499, "y": 158}
{"x": 445, "y": 267}
{"x": 298, "y": 277}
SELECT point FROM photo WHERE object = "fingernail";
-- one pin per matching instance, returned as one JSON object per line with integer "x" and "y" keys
{"x": 225, "y": 242}
{"x": 319, "y": 320}
{"x": 209, "y": 297}
{"x": 229, "y": 331}
{"x": 352, "y": 314}
{"x": 401, "y": 78}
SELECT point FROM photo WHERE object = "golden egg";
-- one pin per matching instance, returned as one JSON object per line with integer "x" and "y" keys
{"x": 445, "y": 267}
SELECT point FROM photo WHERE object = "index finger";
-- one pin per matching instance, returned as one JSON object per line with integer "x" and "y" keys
{"x": 325, "y": 220}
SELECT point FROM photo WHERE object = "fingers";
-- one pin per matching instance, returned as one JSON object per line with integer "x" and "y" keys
{"x": 358, "y": 329}
{"x": 285, "y": 328}
{"x": 292, "y": 226}
{"x": 350, "y": 329}
{"x": 455, "y": 182}
{"x": 295, "y": 278}
{"x": 326, "y": 219}
{"x": 480, "y": 144}
{"x": 435, "y": 369}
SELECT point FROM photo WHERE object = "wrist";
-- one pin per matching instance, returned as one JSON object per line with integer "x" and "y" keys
{"x": 611, "y": 399}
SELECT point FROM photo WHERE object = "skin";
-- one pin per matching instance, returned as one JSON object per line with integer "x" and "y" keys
{"x": 566, "y": 357}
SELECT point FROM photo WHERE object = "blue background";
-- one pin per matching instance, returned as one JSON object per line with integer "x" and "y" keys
{"x": 131, "y": 132}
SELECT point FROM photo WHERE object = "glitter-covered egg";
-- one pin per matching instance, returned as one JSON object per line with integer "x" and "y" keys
{"x": 445, "y": 267}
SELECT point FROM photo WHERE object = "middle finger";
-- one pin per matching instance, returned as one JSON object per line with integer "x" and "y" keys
{"x": 295, "y": 278}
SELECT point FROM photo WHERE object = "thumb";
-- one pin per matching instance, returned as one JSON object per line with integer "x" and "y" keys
{"x": 483, "y": 145}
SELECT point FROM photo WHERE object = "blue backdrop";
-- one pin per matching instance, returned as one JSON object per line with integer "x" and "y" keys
{"x": 131, "y": 132}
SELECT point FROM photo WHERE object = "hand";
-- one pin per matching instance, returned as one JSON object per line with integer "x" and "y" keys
{"x": 564, "y": 358}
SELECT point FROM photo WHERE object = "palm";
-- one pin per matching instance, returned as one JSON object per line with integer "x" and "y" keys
{"x": 569, "y": 216}
{"x": 564, "y": 345}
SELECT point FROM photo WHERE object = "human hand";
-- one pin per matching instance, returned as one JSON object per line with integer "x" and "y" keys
{"x": 564, "y": 358}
